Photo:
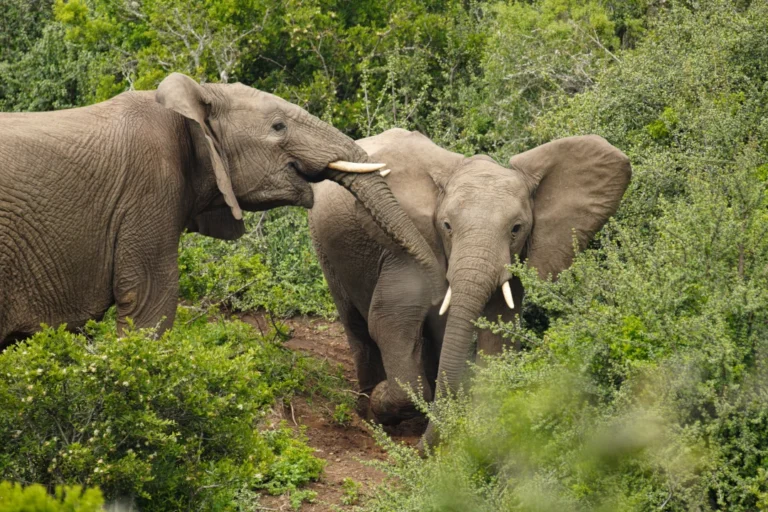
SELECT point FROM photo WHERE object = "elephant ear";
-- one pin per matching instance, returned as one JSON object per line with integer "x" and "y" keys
{"x": 577, "y": 184}
{"x": 186, "y": 97}
{"x": 217, "y": 223}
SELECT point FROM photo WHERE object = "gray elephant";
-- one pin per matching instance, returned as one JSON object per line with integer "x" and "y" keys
{"x": 476, "y": 216}
{"x": 93, "y": 200}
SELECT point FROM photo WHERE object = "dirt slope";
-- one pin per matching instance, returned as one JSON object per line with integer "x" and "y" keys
{"x": 343, "y": 447}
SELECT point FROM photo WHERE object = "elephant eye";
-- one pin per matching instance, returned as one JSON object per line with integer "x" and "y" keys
{"x": 516, "y": 229}
{"x": 447, "y": 227}
{"x": 278, "y": 126}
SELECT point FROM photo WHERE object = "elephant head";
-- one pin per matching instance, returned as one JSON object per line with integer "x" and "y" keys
{"x": 260, "y": 151}
{"x": 478, "y": 215}
{"x": 486, "y": 214}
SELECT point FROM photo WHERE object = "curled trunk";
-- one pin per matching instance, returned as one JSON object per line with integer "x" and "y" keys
{"x": 372, "y": 191}
{"x": 375, "y": 195}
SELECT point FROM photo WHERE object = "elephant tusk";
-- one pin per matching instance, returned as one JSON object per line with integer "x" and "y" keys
{"x": 507, "y": 291}
{"x": 385, "y": 172}
{"x": 446, "y": 302}
{"x": 341, "y": 165}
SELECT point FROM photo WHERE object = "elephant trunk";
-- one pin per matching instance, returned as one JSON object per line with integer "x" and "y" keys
{"x": 375, "y": 195}
{"x": 473, "y": 276}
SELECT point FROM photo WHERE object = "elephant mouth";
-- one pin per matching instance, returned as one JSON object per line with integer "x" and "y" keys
{"x": 302, "y": 185}
{"x": 296, "y": 167}
{"x": 308, "y": 175}
{"x": 286, "y": 186}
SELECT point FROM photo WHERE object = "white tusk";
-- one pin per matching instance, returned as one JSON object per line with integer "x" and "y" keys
{"x": 507, "y": 291}
{"x": 446, "y": 302}
{"x": 385, "y": 172}
{"x": 341, "y": 165}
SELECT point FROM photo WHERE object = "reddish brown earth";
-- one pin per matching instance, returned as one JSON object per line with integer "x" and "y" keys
{"x": 344, "y": 448}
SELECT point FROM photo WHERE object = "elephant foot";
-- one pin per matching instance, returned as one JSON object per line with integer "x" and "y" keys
{"x": 388, "y": 411}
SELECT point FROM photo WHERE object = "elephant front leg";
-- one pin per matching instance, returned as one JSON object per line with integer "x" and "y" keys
{"x": 146, "y": 285}
{"x": 368, "y": 364}
{"x": 396, "y": 318}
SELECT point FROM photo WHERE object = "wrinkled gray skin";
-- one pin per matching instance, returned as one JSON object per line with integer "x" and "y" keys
{"x": 93, "y": 200}
{"x": 475, "y": 214}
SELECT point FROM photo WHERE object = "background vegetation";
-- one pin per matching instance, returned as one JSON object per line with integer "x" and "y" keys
{"x": 642, "y": 380}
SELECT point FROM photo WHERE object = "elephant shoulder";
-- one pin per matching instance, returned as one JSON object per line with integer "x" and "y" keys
{"x": 327, "y": 192}
{"x": 340, "y": 227}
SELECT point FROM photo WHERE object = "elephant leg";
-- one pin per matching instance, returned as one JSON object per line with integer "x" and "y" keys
{"x": 146, "y": 283}
{"x": 399, "y": 308}
{"x": 368, "y": 364}
{"x": 492, "y": 344}
{"x": 367, "y": 357}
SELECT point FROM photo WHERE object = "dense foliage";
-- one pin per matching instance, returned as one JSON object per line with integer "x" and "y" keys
{"x": 642, "y": 380}
{"x": 174, "y": 423}
{"x": 15, "y": 498}
{"x": 272, "y": 267}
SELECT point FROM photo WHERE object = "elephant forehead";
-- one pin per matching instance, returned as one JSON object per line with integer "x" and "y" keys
{"x": 479, "y": 186}
{"x": 247, "y": 98}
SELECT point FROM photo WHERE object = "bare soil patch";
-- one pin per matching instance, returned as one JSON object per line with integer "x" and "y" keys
{"x": 344, "y": 448}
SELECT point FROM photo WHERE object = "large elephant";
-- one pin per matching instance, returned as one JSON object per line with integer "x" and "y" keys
{"x": 476, "y": 215}
{"x": 93, "y": 200}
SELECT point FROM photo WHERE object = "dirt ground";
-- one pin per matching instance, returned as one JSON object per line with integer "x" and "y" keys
{"x": 344, "y": 448}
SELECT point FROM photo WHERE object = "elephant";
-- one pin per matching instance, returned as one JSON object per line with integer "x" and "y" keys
{"x": 93, "y": 200}
{"x": 477, "y": 216}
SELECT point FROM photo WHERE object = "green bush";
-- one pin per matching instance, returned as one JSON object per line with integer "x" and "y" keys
{"x": 533, "y": 54}
{"x": 34, "y": 498}
{"x": 351, "y": 493}
{"x": 272, "y": 267}
{"x": 172, "y": 423}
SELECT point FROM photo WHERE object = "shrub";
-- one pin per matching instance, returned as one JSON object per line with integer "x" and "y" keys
{"x": 351, "y": 494}
{"x": 342, "y": 414}
{"x": 534, "y": 54}
{"x": 34, "y": 498}
{"x": 272, "y": 267}
{"x": 174, "y": 422}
